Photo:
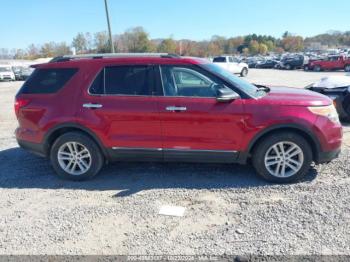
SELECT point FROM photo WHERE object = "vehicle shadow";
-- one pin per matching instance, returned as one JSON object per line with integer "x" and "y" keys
{"x": 20, "y": 169}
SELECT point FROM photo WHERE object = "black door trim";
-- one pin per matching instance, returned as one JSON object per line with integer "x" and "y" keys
{"x": 173, "y": 155}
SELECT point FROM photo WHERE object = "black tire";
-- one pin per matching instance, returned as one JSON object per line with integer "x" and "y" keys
{"x": 244, "y": 72}
{"x": 288, "y": 67}
{"x": 97, "y": 159}
{"x": 306, "y": 68}
{"x": 347, "y": 113}
{"x": 347, "y": 68}
{"x": 262, "y": 148}
{"x": 317, "y": 68}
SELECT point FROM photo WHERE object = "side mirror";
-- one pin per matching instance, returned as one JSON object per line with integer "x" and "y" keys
{"x": 225, "y": 94}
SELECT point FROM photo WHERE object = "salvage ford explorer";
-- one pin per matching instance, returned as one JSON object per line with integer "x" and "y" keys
{"x": 85, "y": 111}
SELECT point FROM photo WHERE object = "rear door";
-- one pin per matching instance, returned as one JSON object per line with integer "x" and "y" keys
{"x": 120, "y": 107}
{"x": 195, "y": 126}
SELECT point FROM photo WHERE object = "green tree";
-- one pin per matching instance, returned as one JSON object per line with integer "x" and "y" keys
{"x": 136, "y": 39}
{"x": 254, "y": 47}
{"x": 62, "y": 49}
{"x": 80, "y": 43}
{"x": 270, "y": 45}
{"x": 263, "y": 49}
{"x": 168, "y": 46}
{"x": 101, "y": 42}
{"x": 293, "y": 43}
{"x": 48, "y": 49}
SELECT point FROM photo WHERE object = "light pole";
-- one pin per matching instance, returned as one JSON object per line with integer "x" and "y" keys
{"x": 109, "y": 28}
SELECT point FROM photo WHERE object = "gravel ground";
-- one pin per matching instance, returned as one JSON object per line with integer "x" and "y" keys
{"x": 229, "y": 210}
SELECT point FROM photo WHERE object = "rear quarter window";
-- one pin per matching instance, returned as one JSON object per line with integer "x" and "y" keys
{"x": 47, "y": 81}
{"x": 219, "y": 59}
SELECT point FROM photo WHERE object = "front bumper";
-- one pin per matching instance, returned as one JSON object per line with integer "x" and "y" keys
{"x": 325, "y": 157}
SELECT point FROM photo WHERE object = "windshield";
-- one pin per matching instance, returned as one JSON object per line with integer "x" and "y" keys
{"x": 247, "y": 87}
{"x": 5, "y": 69}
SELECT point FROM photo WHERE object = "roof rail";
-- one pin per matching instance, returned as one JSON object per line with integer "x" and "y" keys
{"x": 65, "y": 58}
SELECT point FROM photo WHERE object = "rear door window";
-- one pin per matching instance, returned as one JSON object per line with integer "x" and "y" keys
{"x": 134, "y": 80}
{"x": 47, "y": 81}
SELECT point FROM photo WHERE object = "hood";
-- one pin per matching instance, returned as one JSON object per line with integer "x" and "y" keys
{"x": 331, "y": 82}
{"x": 6, "y": 73}
{"x": 295, "y": 97}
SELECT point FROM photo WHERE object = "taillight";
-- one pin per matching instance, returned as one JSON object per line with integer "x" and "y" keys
{"x": 19, "y": 103}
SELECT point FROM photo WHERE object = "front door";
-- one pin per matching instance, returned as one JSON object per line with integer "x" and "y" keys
{"x": 195, "y": 127}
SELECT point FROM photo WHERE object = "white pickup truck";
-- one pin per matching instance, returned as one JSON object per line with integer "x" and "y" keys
{"x": 231, "y": 64}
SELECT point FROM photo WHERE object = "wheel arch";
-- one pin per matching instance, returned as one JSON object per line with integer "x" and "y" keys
{"x": 61, "y": 129}
{"x": 301, "y": 130}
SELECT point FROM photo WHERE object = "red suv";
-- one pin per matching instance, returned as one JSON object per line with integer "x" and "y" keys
{"x": 84, "y": 111}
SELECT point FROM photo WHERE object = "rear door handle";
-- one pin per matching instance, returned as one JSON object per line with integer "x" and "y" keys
{"x": 176, "y": 108}
{"x": 92, "y": 106}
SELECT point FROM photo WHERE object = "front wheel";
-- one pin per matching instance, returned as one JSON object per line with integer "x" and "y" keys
{"x": 75, "y": 156}
{"x": 288, "y": 67}
{"x": 244, "y": 72}
{"x": 282, "y": 158}
{"x": 347, "y": 68}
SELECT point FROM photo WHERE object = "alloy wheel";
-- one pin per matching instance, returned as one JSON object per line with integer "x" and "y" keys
{"x": 74, "y": 158}
{"x": 284, "y": 159}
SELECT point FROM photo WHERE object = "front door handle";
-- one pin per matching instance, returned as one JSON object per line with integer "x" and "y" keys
{"x": 92, "y": 106}
{"x": 176, "y": 108}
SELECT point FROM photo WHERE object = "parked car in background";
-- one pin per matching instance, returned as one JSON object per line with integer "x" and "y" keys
{"x": 17, "y": 71}
{"x": 268, "y": 63}
{"x": 253, "y": 61}
{"x": 292, "y": 62}
{"x": 334, "y": 62}
{"x": 6, "y": 73}
{"x": 160, "y": 107}
{"x": 25, "y": 73}
{"x": 338, "y": 89}
{"x": 231, "y": 64}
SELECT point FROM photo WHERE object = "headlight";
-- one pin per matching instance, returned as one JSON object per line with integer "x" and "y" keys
{"x": 327, "y": 111}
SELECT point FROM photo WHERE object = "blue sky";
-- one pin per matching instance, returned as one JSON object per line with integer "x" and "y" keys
{"x": 39, "y": 21}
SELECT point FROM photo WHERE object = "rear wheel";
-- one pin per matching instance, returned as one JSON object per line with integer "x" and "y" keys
{"x": 282, "y": 158}
{"x": 244, "y": 72}
{"x": 75, "y": 156}
{"x": 317, "y": 68}
{"x": 347, "y": 68}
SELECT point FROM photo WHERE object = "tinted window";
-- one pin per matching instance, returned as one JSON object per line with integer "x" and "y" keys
{"x": 183, "y": 81}
{"x": 47, "y": 81}
{"x": 220, "y": 59}
{"x": 128, "y": 80}
{"x": 97, "y": 86}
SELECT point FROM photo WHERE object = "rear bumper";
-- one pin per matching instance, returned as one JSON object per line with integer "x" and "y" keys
{"x": 38, "y": 149}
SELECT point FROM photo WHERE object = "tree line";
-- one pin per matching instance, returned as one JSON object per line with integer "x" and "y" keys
{"x": 138, "y": 40}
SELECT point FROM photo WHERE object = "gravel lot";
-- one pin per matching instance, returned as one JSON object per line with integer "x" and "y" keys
{"x": 229, "y": 210}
